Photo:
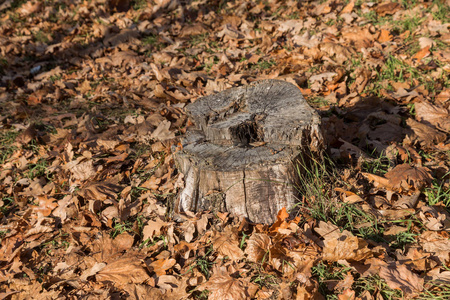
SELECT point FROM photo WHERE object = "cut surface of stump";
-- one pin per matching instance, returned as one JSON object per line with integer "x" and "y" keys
{"x": 241, "y": 156}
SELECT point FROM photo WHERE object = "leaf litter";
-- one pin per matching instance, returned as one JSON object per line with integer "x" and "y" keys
{"x": 91, "y": 107}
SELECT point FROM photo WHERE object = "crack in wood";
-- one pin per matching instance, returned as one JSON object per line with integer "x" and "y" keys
{"x": 254, "y": 132}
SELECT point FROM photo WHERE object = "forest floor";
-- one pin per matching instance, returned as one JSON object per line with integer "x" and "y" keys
{"x": 92, "y": 97}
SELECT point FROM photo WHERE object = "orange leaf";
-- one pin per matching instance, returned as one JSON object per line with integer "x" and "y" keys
{"x": 424, "y": 52}
{"x": 385, "y": 36}
{"x": 161, "y": 265}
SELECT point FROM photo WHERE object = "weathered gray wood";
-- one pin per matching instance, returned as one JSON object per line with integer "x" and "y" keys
{"x": 241, "y": 156}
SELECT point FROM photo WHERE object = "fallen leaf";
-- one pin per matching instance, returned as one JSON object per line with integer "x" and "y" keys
{"x": 436, "y": 244}
{"x": 341, "y": 245}
{"x": 227, "y": 244}
{"x": 404, "y": 177}
{"x": 160, "y": 266}
{"x": 348, "y": 8}
{"x": 387, "y": 8}
{"x": 257, "y": 247}
{"x": 162, "y": 132}
{"x": 30, "y": 7}
{"x": 123, "y": 271}
{"x": 422, "y": 53}
{"x": 46, "y": 205}
{"x": 434, "y": 115}
{"x": 385, "y": 36}
{"x": 222, "y": 286}
{"x": 153, "y": 229}
{"x": 399, "y": 277}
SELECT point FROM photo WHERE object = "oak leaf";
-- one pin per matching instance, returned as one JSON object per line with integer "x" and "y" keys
{"x": 400, "y": 277}
{"x": 123, "y": 271}
{"x": 434, "y": 115}
{"x": 404, "y": 177}
{"x": 341, "y": 245}
{"x": 152, "y": 229}
{"x": 424, "y": 134}
{"x": 226, "y": 243}
{"x": 257, "y": 247}
{"x": 160, "y": 266}
{"x": 224, "y": 287}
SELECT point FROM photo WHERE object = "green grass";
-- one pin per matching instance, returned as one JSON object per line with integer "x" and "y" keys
{"x": 408, "y": 24}
{"x": 318, "y": 178}
{"x": 442, "y": 13}
{"x": 376, "y": 285}
{"x": 264, "y": 64}
{"x": 435, "y": 291}
{"x": 264, "y": 280}
{"x": 402, "y": 239}
{"x": 41, "y": 37}
{"x": 3, "y": 65}
{"x": 8, "y": 202}
{"x": 17, "y": 3}
{"x": 438, "y": 193}
{"x": 317, "y": 101}
{"x": 153, "y": 42}
{"x": 203, "y": 263}
{"x": 121, "y": 227}
{"x": 324, "y": 273}
{"x": 139, "y": 4}
{"x": 150, "y": 40}
{"x": 396, "y": 70}
{"x": 7, "y": 139}
{"x": 38, "y": 169}
{"x": 149, "y": 242}
{"x": 198, "y": 39}
{"x": 378, "y": 165}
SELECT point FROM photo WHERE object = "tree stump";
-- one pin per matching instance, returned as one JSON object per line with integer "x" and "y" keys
{"x": 241, "y": 155}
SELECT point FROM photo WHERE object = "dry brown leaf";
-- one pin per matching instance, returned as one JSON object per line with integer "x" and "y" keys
{"x": 348, "y": 8}
{"x": 227, "y": 244}
{"x": 339, "y": 245}
{"x": 348, "y": 196}
{"x": 434, "y": 218}
{"x": 426, "y": 42}
{"x": 46, "y": 205}
{"x": 188, "y": 229}
{"x": 399, "y": 277}
{"x": 97, "y": 267}
{"x": 194, "y": 29}
{"x": 385, "y": 36}
{"x": 425, "y": 135}
{"x": 84, "y": 87}
{"x": 348, "y": 294}
{"x": 433, "y": 115}
{"x": 160, "y": 266}
{"x": 81, "y": 171}
{"x": 347, "y": 247}
{"x": 436, "y": 244}
{"x": 27, "y": 136}
{"x": 337, "y": 51}
{"x": 152, "y": 229}
{"x": 162, "y": 132}
{"x": 346, "y": 283}
{"x": 102, "y": 191}
{"x": 123, "y": 271}
{"x": 143, "y": 292}
{"x": 30, "y": 7}
{"x": 422, "y": 53}
{"x": 387, "y": 8}
{"x": 222, "y": 286}
{"x": 405, "y": 178}
{"x": 257, "y": 247}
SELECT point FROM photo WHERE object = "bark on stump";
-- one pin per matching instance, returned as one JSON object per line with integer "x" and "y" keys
{"x": 241, "y": 155}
